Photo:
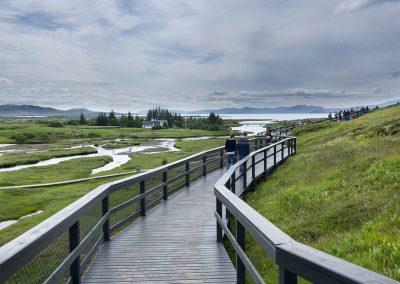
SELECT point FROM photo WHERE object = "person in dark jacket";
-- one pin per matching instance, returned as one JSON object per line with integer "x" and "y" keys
{"x": 230, "y": 150}
{"x": 243, "y": 148}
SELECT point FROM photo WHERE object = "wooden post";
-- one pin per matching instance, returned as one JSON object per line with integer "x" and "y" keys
{"x": 143, "y": 199}
{"x": 106, "y": 226}
{"x": 294, "y": 146}
{"x": 233, "y": 182}
{"x": 75, "y": 267}
{"x": 241, "y": 239}
{"x": 204, "y": 165}
{"x": 253, "y": 171}
{"x": 227, "y": 213}
{"x": 187, "y": 183}
{"x": 165, "y": 186}
{"x": 282, "y": 151}
{"x": 286, "y": 277}
{"x": 265, "y": 163}
{"x": 255, "y": 144}
{"x": 219, "y": 228}
{"x": 221, "y": 165}
{"x": 244, "y": 177}
{"x": 274, "y": 155}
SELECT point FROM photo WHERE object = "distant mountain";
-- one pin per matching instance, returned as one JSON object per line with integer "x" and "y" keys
{"x": 250, "y": 110}
{"x": 31, "y": 110}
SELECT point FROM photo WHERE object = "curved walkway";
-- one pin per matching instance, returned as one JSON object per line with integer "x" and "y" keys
{"x": 174, "y": 243}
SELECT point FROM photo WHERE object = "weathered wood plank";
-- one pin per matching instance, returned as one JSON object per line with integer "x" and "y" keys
{"x": 174, "y": 243}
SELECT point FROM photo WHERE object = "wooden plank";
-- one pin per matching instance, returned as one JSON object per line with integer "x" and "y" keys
{"x": 174, "y": 243}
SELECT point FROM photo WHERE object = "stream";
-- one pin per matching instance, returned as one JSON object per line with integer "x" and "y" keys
{"x": 120, "y": 156}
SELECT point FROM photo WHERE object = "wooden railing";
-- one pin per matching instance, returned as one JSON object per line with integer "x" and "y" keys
{"x": 292, "y": 258}
{"x": 60, "y": 248}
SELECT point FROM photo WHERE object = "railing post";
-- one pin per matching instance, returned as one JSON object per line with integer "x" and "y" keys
{"x": 187, "y": 183}
{"x": 227, "y": 212}
{"x": 253, "y": 171}
{"x": 244, "y": 177}
{"x": 274, "y": 155}
{"x": 265, "y": 163}
{"x": 233, "y": 182}
{"x": 143, "y": 199}
{"x": 241, "y": 239}
{"x": 219, "y": 228}
{"x": 204, "y": 165}
{"x": 286, "y": 277}
{"x": 295, "y": 145}
{"x": 75, "y": 267}
{"x": 282, "y": 151}
{"x": 165, "y": 186}
{"x": 255, "y": 144}
{"x": 221, "y": 163}
{"x": 106, "y": 226}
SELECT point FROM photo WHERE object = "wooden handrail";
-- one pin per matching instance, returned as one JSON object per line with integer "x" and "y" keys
{"x": 20, "y": 251}
{"x": 293, "y": 258}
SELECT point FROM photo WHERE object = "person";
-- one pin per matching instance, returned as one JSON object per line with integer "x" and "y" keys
{"x": 267, "y": 134}
{"x": 243, "y": 148}
{"x": 230, "y": 150}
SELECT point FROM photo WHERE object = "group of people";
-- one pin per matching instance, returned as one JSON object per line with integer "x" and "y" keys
{"x": 348, "y": 114}
{"x": 236, "y": 149}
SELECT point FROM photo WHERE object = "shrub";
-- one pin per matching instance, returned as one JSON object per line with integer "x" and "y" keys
{"x": 55, "y": 124}
{"x": 156, "y": 127}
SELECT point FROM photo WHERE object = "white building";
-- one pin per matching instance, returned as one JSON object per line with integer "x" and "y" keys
{"x": 151, "y": 123}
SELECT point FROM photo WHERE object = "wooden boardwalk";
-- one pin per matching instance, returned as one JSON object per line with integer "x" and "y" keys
{"x": 174, "y": 243}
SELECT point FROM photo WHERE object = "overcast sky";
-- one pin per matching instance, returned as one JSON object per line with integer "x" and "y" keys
{"x": 182, "y": 54}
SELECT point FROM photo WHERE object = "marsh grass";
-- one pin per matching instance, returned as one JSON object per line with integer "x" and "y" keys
{"x": 20, "y": 202}
{"x": 16, "y": 159}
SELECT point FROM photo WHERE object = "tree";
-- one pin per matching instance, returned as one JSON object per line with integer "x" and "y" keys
{"x": 123, "y": 121}
{"x": 82, "y": 119}
{"x": 101, "y": 119}
{"x": 129, "y": 122}
{"x": 112, "y": 119}
{"x": 137, "y": 122}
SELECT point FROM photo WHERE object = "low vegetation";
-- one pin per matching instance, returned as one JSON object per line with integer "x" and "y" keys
{"x": 16, "y": 159}
{"x": 20, "y": 202}
{"x": 30, "y": 132}
{"x": 340, "y": 193}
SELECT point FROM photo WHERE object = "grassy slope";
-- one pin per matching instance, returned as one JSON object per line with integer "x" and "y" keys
{"x": 340, "y": 193}
{"x": 19, "y": 202}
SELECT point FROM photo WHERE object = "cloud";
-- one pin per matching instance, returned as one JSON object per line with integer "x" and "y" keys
{"x": 195, "y": 54}
{"x": 5, "y": 83}
{"x": 356, "y": 5}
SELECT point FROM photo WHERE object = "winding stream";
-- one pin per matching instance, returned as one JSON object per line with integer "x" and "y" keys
{"x": 120, "y": 156}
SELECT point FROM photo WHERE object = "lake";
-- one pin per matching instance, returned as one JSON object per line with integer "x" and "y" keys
{"x": 274, "y": 116}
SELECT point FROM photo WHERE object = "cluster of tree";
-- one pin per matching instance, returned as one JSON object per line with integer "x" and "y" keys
{"x": 103, "y": 119}
{"x": 213, "y": 122}
{"x": 173, "y": 119}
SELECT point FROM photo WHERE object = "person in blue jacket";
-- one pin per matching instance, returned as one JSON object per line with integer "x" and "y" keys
{"x": 243, "y": 148}
{"x": 230, "y": 150}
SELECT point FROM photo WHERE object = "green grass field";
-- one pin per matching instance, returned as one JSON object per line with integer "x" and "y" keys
{"x": 20, "y": 202}
{"x": 15, "y": 159}
{"x": 339, "y": 194}
{"x": 38, "y": 133}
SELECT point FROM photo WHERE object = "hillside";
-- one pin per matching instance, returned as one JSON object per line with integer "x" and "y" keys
{"x": 340, "y": 193}
{"x": 31, "y": 110}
